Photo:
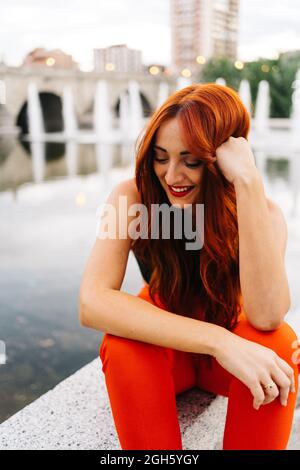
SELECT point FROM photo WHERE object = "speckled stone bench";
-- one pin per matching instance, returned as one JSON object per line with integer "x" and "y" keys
{"x": 76, "y": 415}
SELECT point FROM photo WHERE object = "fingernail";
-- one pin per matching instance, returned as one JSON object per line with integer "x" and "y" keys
{"x": 284, "y": 403}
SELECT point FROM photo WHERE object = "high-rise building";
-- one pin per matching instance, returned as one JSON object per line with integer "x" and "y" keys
{"x": 202, "y": 29}
{"x": 118, "y": 58}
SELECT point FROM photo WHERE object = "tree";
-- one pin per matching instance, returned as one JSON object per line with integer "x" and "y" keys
{"x": 221, "y": 67}
{"x": 279, "y": 73}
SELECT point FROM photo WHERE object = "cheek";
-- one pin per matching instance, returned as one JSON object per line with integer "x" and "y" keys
{"x": 157, "y": 170}
{"x": 196, "y": 176}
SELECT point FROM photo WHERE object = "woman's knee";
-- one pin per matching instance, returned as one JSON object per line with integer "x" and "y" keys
{"x": 117, "y": 345}
{"x": 283, "y": 340}
{"x": 124, "y": 350}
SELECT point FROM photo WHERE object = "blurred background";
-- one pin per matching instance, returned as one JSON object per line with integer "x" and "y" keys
{"x": 78, "y": 81}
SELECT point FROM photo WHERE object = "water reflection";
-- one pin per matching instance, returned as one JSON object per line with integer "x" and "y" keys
{"x": 7, "y": 144}
{"x": 38, "y": 161}
{"x": 49, "y": 194}
{"x": 72, "y": 158}
{"x": 281, "y": 171}
{"x": 23, "y": 161}
{"x": 48, "y": 203}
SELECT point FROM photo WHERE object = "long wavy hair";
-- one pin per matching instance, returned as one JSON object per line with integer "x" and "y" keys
{"x": 208, "y": 115}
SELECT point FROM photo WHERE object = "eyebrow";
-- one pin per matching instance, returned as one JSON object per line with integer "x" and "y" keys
{"x": 184, "y": 152}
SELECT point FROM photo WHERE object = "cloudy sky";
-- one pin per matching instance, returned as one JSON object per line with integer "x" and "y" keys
{"x": 266, "y": 27}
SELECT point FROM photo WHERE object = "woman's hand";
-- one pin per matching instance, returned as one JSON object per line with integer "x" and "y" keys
{"x": 256, "y": 365}
{"x": 235, "y": 158}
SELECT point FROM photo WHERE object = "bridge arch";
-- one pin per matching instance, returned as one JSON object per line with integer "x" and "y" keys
{"x": 146, "y": 105}
{"x": 51, "y": 104}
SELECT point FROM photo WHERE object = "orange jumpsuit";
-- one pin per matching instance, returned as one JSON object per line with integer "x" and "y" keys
{"x": 143, "y": 379}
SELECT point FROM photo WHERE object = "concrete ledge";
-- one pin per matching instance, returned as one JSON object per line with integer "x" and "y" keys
{"x": 76, "y": 415}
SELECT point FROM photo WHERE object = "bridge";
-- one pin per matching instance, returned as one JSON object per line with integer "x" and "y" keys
{"x": 15, "y": 81}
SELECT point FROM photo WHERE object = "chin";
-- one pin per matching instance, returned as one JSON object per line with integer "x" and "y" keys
{"x": 180, "y": 203}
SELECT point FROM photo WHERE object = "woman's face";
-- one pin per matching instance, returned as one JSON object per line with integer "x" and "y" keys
{"x": 175, "y": 167}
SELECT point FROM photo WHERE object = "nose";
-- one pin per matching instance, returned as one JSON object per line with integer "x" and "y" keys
{"x": 172, "y": 176}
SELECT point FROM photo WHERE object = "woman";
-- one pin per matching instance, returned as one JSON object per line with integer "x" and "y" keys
{"x": 211, "y": 317}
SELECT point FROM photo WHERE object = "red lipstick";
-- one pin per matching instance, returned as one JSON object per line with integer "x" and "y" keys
{"x": 181, "y": 193}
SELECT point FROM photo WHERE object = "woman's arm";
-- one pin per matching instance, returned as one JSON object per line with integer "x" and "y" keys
{"x": 262, "y": 238}
{"x": 129, "y": 316}
{"x": 262, "y": 243}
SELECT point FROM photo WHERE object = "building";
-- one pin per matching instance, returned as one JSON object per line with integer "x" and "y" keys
{"x": 118, "y": 58}
{"x": 202, "y": 29}
{"x": 54, "y": 58}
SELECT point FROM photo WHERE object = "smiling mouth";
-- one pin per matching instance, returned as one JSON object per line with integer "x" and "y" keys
{"x": 180, "y": 191}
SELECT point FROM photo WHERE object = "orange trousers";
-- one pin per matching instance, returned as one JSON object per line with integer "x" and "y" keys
{"x": 143, "y": 379}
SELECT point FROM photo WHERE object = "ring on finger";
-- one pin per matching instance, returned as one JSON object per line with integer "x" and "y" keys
{"x": 269, "y": 386}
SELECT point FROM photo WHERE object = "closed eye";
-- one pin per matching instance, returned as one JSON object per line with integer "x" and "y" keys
{"x": 189, "y": 165}
{"x": 193, "y": 165}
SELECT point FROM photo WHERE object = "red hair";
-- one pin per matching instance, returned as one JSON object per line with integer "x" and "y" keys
{"x": 208, "y": 115}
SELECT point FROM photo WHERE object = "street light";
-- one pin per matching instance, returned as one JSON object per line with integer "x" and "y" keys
{"x": 50, "y": 61}
{"x": 265, "y": 68}
{"x": 109, "y": 66}
{"x": 200, "y": 59}
{"x": 186, "y": 72}
{"x": 154, "y": 70}
{"x": 239, "y": 64}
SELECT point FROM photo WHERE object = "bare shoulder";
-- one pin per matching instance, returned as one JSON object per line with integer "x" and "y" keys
{"x": 117, "y": 207}
{"x": 128, "y": 188}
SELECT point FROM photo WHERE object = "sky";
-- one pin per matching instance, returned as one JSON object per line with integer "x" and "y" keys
{"x": 266, "y": 27}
